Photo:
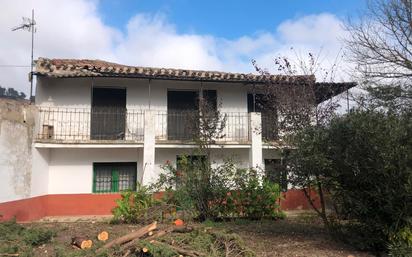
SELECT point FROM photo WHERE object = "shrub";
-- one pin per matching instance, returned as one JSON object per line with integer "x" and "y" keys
{"x": 252, "y": 196}
{"x": 363, "y": 161}
{"x": 400, "y": 244}
{"x": 37, "y": 236}
{"x": 133, "y": 207}
{"x": 220, "y": 191}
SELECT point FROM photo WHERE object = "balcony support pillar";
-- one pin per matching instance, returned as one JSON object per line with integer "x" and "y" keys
{"x": 149, "y": 148}
{"x": 255, "y": 154}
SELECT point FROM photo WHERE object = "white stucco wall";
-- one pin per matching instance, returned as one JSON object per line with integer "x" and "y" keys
{"x": 71, "y": 170}
{"x": 40, "y": 171}
{"x": 76, "y": 92}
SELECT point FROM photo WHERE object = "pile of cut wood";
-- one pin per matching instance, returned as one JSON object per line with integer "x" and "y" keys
{"x": 154, "y": 240}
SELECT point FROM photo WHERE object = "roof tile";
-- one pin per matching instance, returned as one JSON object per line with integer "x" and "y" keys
{"x": 60, "y": 68}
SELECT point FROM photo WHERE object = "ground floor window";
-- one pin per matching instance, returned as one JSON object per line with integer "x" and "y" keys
{"x": 114, "y": 176}
{"x": 184, "y": 162}
{"x": 276, "y": 172}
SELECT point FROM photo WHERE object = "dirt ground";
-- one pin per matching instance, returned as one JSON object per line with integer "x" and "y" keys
{"x": 298, "y": 235}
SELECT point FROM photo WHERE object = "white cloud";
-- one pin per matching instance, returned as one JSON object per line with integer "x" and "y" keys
{"x": 74, "y": 29}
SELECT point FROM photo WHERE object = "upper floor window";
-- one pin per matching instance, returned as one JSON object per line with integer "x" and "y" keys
{"x": 260, "y": 103}
{"x": 183, "y": 112}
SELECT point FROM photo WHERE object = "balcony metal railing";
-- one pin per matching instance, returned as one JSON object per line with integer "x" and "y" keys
{"x": 85, "y": 124}
{"x": 185, "y": 125}
{"x": 127, "y": 125}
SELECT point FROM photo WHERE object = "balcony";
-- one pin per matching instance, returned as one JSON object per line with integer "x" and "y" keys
{"x": 116, "y": 126}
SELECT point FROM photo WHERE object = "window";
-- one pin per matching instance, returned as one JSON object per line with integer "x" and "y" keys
{"x": 276, "y": 172}
{"x": 192, "y": 161}
{"x": 108, "y": 114}
{"x": 114, "y": 177}
{"x": 183, "y": 112}
{"x": 259, "y": 103}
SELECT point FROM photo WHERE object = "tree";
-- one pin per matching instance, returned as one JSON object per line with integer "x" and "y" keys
{"x": 11, "y": 93}
{"x": 380, "y": 44}
{"x": 362, "y": 162}
{"x": 296, "y": 107}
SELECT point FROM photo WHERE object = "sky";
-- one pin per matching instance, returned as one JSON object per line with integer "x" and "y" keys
{"x": 220, "y": 35}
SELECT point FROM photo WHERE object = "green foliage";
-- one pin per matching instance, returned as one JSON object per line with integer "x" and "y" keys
{"x": 211, "y": 243}
{"x": 400, "y": 244}
{"x": 134, "y": 205}
{"x": 36, "y": 237}
{"x": 252, "y": 196}
{"x": 363, "y": 162}
{"x": 219, "y": 191}
{"x": 15, "y": 238}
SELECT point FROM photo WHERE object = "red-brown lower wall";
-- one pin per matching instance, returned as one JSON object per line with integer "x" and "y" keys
{"x": 96, "y": 204}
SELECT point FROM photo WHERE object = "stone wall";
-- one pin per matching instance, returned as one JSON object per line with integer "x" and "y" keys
{"x": 17, "y": 118}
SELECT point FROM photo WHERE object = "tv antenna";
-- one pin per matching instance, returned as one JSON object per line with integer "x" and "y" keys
{"x": 29, "y": 25}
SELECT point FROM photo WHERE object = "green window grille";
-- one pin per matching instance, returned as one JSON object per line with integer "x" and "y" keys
{"x": 114, "y": 177}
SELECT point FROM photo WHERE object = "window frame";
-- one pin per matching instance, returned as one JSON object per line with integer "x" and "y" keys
{"x": 114, "y": 182}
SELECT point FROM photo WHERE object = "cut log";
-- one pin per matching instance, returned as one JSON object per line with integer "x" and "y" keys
{"x": 129, "y": 237}
{"x": 179, "y": 222}
{"x": 145, "y": 250}
{"x": 103, "y": 236}
{"x": 82, "y": 242}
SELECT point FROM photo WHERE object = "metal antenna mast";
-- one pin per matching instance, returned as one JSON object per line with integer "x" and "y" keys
{"x": 29, "y": 25}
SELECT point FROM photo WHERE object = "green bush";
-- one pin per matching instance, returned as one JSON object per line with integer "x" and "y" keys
{"x": 37, "y": 236}
{"x": 400, "y": 244}
{"x": 252, "y": 197}
{"x": 134, "y": 205}
{"x": 220, "y": 191}
{"x": 363, "y": 162}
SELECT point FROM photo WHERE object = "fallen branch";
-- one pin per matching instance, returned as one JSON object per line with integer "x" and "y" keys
{"x": 129, "y": 237}
{"x": 158, "y": 234}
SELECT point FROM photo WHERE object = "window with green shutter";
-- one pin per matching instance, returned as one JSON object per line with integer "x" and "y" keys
{"x": 114, "y": 177}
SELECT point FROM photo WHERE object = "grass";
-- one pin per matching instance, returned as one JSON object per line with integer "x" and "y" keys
{"x": 296, "y": 235}
{"x": 17, "y": 239}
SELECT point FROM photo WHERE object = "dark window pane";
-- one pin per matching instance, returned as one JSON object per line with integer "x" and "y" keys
{"x": 276, "y": 172}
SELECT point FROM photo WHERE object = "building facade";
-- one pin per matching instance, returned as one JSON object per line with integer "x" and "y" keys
{"x": 103, "y": 127}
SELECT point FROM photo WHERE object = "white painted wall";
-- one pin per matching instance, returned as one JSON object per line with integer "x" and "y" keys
{"x": 240, "y": 156}
{"x": 40, "y": 171}
{"x": 71, "y": 170}
{"x": 76, "y": 92}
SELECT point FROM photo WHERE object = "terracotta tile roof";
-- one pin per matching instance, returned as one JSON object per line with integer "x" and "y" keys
{"x": 65, "y": 68}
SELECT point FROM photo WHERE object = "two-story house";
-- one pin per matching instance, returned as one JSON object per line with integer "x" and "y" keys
{"x": 103, "y": 127}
